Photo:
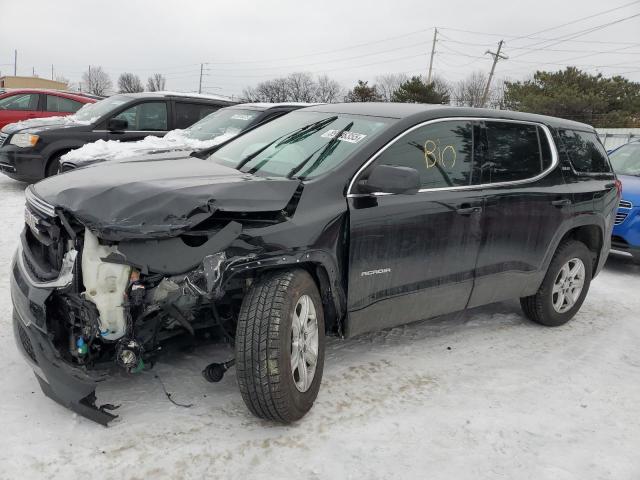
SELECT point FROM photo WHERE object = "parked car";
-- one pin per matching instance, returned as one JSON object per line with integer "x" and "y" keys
{"x": 340, "y": 219}
{"x": 31, "y": 150}
{"x": 212, "y": 130}
{"x": 25, "y": 103}
{"x": 626, "y": 232}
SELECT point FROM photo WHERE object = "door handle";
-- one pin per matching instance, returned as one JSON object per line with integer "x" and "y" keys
{"x": 468, "y": 210}
{"x": 562, "y": 202}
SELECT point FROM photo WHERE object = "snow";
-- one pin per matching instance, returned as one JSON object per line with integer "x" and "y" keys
{"x": 116, "y": 150}
{"x": 478, "y": 395}
{"x": 41, "y": 122}
{"x": 190, "y": 95}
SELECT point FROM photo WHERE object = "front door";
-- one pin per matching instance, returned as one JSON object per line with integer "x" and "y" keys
{"x": 413, "y": 256}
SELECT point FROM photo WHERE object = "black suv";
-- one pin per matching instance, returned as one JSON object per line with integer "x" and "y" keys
{"x": 31, "y": 150}
{"x": 337, "y": 219}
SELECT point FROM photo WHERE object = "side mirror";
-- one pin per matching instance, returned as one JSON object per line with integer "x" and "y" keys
{"x": 391, "y": 179}
{"x": 117, "y": 125}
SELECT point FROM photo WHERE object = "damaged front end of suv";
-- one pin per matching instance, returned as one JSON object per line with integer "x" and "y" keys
{"x": 111, "y": 269}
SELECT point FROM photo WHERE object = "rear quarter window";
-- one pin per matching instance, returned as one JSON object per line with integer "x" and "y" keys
{"x": 189, "y": 113}
{"x": 62, "y": 104}
{"x": 585, "y": 152}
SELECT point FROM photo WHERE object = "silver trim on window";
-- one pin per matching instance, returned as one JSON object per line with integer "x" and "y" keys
{"x": 544, "y": 173}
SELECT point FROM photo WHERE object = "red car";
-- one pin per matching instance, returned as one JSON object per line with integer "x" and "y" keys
{"x": 25, "y": 103}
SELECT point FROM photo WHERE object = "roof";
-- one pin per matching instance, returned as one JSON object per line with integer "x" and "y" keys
{"x": 180, "y": 94}
{"x": 75, "y": 95}
{"x": 262, "y": 106}
{"x": 429, "y": 111}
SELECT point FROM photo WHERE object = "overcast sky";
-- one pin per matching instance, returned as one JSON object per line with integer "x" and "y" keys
{"x": 244, "y": 42}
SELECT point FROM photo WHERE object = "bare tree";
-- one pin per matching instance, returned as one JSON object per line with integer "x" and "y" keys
{"x": 300, "y": 87}
{"x": 387, "y": 84}
{"x": 327, "y": 90}
{"x": 468, "y": 91}
{"x": 129, "y": 83}
{"x": 156, "y": 82}
{"x": 442, "y": 86}
{"x": 96, "y": 81}
{"x": 273, "y": 91}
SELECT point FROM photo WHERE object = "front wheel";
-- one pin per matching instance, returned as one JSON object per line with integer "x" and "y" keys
{"x": 564, "y": 287}
{"x": 280, "y": 345}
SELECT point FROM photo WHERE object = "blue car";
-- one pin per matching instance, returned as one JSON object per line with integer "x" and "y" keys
{"x": 626, "y": 232}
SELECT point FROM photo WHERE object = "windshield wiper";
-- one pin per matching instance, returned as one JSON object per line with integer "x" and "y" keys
{"x": 287, "y": 138}
{"x": 326, "y": 151}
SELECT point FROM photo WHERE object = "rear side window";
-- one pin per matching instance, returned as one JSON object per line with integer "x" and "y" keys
{"x": 61, "y": 104}
{"x": 513, "y": 151}
{"x": 25, "y": 101}
{"x": 441, "y": 152}
{"x": 586, "y": 153}
{"x": 148, "y": 116}
{"x": 189, "y": 113}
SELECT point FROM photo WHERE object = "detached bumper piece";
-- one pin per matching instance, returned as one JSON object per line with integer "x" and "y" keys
{"x": 70, "y": 386}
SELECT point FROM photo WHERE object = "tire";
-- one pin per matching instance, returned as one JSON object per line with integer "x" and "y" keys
{"x": 53, "y": 166}
{"x": 540, "y": 307}
{"x": 271, "y": 388}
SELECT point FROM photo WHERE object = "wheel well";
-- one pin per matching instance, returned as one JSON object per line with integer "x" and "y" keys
{"x": 591, "y": 236}
{"x": 57, "y": 153}
{"x": 318, "y": 272}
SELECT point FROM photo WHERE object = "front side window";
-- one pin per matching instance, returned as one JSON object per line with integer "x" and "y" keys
{"x": 189, "y": 113}
{"x": 513, "y": 151}
{"x": 441, "y": 152}
{"x": 586, "y": 153}
{"x": 148, "y": 116}
{"x": 626, "y": 159}
{"x": 301, "y": 144}
{"x": 62, "y": 104}
{"x": 26, "y": 101}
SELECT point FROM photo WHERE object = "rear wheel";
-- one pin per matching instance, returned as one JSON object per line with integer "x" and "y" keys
{"x": 280, "y": 346}
{"x": 564, "y": 287}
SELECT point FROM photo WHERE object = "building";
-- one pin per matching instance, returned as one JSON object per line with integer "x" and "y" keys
{"x": 31, "y": 82}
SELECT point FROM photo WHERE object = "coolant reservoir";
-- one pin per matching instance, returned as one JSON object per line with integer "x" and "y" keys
{"x": 105, "y": 285}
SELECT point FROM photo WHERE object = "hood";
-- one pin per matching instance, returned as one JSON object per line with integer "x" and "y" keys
{"x": 160, "y": 198}
{"x": 630, "y": 188}
{"x": 151, "y": 155}
{"x": 37, "y": 125}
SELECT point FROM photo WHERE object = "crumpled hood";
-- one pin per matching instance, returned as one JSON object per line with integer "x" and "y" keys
{"x": 161, "y": 198}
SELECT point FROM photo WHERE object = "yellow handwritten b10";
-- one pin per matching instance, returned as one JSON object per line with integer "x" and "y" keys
{"x": 434, "y": 153}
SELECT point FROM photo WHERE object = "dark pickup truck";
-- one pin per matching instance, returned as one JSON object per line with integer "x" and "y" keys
{"x": 334, "y": 219}
{"x": 31, "y": 150}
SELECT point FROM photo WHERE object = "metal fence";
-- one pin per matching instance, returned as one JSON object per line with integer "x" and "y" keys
{"x": 612, "y": 138}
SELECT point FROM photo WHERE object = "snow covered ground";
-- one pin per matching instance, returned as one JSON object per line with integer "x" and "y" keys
{"x": 484, "y": 394}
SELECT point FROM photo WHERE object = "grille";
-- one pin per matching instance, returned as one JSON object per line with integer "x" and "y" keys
{"x": 3, "y": 138}
{"x": 625, "y": 204}
{"x": 26, "y": 343}
{"x": 620, "y": 217}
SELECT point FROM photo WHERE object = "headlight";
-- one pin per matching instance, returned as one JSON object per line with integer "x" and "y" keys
{"x": 24, "y": 140}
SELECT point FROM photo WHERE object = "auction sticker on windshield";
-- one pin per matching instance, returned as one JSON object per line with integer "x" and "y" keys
{"x": 351, "y": 137}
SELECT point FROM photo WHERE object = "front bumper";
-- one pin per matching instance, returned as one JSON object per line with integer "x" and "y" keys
{"x": 626, "y": 234}
{"x": 22, "y": 164}
{"x": 69, "y": 385}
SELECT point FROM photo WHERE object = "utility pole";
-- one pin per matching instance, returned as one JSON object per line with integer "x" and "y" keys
{"x": 433, "y": 51}
{"x": 52, "y": 71}
{"x": 15, "y": 63}
{"x": 496, "y": 56}
{"x": 200, "y": 85}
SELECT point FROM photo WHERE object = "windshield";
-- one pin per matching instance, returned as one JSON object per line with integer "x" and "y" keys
{"x": 300, "y": 144}
{"x": 626, "y": 159}
{"x": 93, "y": 111}
{"x": 226, "y": 121}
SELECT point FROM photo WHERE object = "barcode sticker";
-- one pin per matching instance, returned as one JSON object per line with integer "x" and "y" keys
{"x": 351, "y": 137}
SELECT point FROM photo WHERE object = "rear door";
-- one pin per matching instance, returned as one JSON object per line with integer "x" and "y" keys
{"x": 143, "y": 119}
{"x": 188, "y": 113}
{"x": 57, "y": 105}
{"x": 413, "y": 256}
{"x": 526, "y": 204}
{"x": 19, "y": 106}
